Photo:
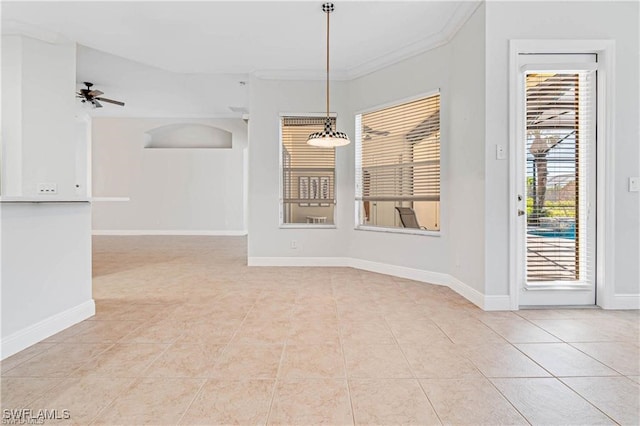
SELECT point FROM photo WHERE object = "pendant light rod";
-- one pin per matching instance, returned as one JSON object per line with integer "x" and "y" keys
{"x": 328, "y": 8}
{"x": 328, "y": 138}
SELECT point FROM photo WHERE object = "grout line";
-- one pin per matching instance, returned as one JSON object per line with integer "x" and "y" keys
{"x": 124, "y": 389}
{"x": 411, "y": 369}
{"x": 344, "y": 359}
{"x": 198, "y": 392}
{"x": 584, "y": 398}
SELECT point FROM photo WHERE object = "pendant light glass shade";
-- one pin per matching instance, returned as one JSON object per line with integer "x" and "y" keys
{"x": 328, "y": 138}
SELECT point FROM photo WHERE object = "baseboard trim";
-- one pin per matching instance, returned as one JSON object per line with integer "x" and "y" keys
{"x": 429, "y": 277}
{"x": 624, "y": 301}
{"x": 487, "y": 303}
{"x": 39, "y": 331}
{"x": 125, "y": 232}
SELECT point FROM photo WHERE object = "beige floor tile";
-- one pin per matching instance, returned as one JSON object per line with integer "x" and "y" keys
{"x": 195, "y": 292}
{"x": 186, "y": 360}
{"x": 59, "y": 361}
{"x": 372, "y": 332}
{"x": 152, "y": 401}
{"x": 69, "y": 332}
{"x": 546, "y": 401}
{"x": 24, "y": 355}
{"x": 469, "y": 331}
{"x": 259, "y": 332}
{"x": 249, "y": 362}
{"x": 502, "y": 360}
{"x": 518, "y": 330}
{"x": 311, "y": 401}
{"x": 417, "y": 332}
{"x": 621, "y": 356}
{"x": 231, "y": 402}
{"x": 312, "y": 362}
{"x": 209, "y": 333}
{"x": 312, "y": 332}
{"x": 122, "y": 360}
{"x": 164, "y": 331}
{"x": 390, "y": 401}
{"x": 470, "y": 401}
{"x": 376, "y": 361}
{"x": 617, "y": 397}
{"x": 83, "y": 397}
{"x": 441, "y": 360}
{"x": 103, "y": 332}
{"x": 560, "y": 359}
{"x": 595, "y": 329}
{"x": 18, "y": 392}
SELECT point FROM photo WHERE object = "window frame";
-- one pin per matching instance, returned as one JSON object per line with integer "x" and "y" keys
{"x": 358, "y": 164}
{"x": 281, "y": 224}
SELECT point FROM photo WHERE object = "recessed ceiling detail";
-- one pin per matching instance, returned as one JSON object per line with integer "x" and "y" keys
{"x": 187, "y": 135}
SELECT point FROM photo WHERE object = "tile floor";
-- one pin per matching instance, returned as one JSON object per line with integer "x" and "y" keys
{"x": 185, "y": 333}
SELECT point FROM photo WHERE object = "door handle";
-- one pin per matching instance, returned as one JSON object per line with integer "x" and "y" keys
{"x": 520, "y": 212}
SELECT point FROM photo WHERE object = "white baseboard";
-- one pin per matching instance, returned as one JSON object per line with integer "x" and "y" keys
{"x": 39, "y": 331}
{"x": 400, "y": 271}
{"x": 624, "y": 301}
{"x": 221, "y": 233}
{"x": 487, "y": 303}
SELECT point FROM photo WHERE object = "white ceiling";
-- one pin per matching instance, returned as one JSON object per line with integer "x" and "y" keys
{"x": 152, "y": 43}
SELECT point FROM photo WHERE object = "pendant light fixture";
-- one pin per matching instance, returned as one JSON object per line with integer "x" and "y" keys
{"x": 328, "y": 138}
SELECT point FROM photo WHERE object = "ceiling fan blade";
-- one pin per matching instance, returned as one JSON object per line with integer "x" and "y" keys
{"x": 95, "y": 93}
{"x": 111, "y": 101}
{"x": 96, "y": 103}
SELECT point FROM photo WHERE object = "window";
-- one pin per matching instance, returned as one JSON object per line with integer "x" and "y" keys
{"x": 398, "y": 165}
{"x": 308, "y": 173}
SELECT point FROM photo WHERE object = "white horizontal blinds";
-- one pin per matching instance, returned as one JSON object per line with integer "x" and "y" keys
{"x": 308, "y": 171}
{"x": 399, "y": 153}
{"x": 560, "y": 141}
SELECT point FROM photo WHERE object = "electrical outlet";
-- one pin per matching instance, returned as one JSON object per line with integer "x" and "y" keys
{"x": 500, "y": 152}
{"x": 294, "y": 244}
{"x": 47, "y": 188}
{"x": 634, "y": 184}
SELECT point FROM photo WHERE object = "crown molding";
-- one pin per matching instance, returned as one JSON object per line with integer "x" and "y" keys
{"x": 12, "y": 27}
{"x": 309, "y": 75}
{"x": 463, "y": 12}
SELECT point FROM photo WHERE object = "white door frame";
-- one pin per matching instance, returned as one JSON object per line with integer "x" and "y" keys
{"x": 605, "y": 49}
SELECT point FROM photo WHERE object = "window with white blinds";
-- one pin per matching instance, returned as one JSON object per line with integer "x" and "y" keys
{"x": 308, "y": 173}
{"x": 560, "y": 151}
{"x": 398, "y": 165}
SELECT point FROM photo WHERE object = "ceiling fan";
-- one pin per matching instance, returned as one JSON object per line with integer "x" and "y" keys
{"x": 368, "y": 132}
{"x": 93, "y": 96}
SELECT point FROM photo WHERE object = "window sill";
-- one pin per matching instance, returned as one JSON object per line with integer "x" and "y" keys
{"x": 307, "y": 226}
{"x": 399, "y": 231}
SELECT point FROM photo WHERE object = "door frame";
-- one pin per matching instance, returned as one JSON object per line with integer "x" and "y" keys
{"x": 605, "y": 49}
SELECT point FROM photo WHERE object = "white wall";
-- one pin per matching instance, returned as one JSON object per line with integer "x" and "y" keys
{"x": 270, "y": 98}
{"x": 46, "y": 270}
{"x": 418, "y": 75}
{"x": 169, "y": 189}
{"x": 46, "y": 246}
{"x": 465, "y": 169}
{"x": 569, "y": 20}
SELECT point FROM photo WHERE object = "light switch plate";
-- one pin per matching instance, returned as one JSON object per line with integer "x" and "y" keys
{"x": 500, "y": 152}
{"x": 634, "y": 184}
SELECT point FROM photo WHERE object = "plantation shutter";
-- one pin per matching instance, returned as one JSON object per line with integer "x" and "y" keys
{"x": 560, "y": 152}
{"x": 398, "y": 154}
{"x": 308, "y": 172}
